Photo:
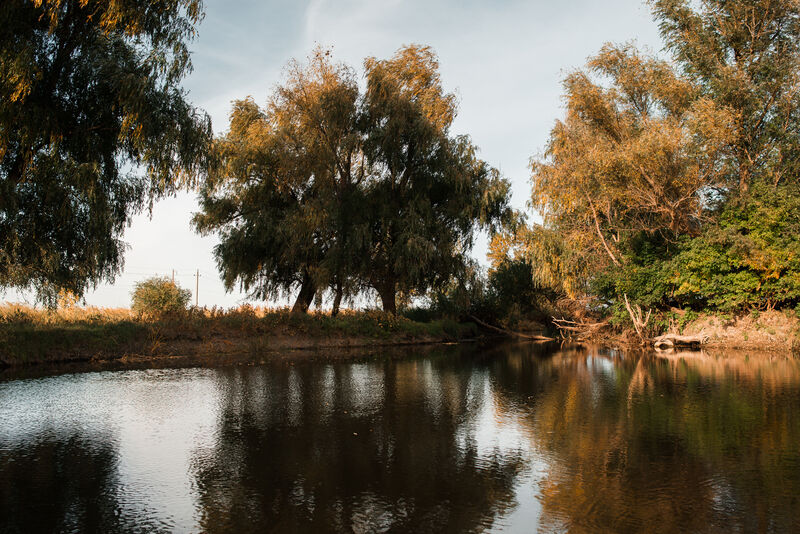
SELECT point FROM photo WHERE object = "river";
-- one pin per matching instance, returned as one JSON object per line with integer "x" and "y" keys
{"x": 514, "y": 438}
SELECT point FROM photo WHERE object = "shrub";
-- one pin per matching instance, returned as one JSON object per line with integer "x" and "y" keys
{"x": 159, "y": 296}
{"x": 747, "y": 259}
{"x": 419, "y": 314}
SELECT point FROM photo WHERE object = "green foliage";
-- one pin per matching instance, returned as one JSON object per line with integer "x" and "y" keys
{"x": 332, "y": 188}
{"x": 749, "y": 259}
{"x": 676, "y": 183}
{"x": 93, "y": 126}
{"x": 156, "y": 297}
{"x": 513, "y": 293}
{"x": 505, "y": 296}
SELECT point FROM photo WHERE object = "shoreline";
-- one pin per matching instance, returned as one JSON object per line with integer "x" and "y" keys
{"x": 90, "y": 338}
{"x": 296, "y": 349}
{"x": 352, "y": 349}
{"x": 31, "y": 337}
{"x": 768, "y": 331}
{"x": 223, "y": 347}
{"x": 627, "y": 341}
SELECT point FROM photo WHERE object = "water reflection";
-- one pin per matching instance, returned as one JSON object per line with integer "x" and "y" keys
{"x": 58, "y": 485}
{"x": 363, "y": 447}
{"x": 511, "y": 439}
{"x": 687, "y": 443}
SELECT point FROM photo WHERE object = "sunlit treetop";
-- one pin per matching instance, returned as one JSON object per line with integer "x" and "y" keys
{"x": 413, "y": 73}
{"x": 638, "y": 147}
{"x": 745, "y": 55}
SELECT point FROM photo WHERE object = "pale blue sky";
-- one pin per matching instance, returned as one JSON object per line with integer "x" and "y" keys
{"x": 504, "y": 58}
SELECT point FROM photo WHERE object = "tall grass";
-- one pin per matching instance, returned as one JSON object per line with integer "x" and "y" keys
{"x": 12, "y": 313}
{"x": 29, "y": 334}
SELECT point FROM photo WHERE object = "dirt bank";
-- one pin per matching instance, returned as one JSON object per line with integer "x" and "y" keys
{"x": 770, "y": 330}
{"x": 210, "y": 349}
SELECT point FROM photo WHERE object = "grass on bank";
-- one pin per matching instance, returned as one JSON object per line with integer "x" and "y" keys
{"x": 29, "y": 335}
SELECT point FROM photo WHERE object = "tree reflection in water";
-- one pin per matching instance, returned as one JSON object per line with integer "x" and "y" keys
{"x": 456, "y": 440}
{"x": 60, "y": 483}
{"x": 688, "y": 443}
{"x": 368, "y": 447}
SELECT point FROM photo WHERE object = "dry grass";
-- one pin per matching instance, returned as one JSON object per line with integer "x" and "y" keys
{"x": 770, "y": 330}
{"x": 32, "y": 335}
{"x": 22, "y": 313}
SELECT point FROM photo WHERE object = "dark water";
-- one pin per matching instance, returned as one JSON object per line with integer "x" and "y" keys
{"x": 458, "y": 440}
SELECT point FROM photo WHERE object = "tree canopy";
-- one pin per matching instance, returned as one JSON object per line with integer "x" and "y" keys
{"x": 284, "y": 192}
{"x": 745, "y": 56}
{"x": 428, "y": 191}
{"x": 93, "y": 126}
{"x": 674, "y": 182}
{"x": 643, "y": 155}
{"x": 330, "y": 187}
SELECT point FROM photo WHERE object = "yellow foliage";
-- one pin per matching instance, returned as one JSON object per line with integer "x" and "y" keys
{"x": 634, "y": 155}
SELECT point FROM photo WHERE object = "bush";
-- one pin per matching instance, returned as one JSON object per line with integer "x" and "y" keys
{"x": 419, "y": 314}
{"x": 750, "y": 258}
{"x": 747, "y": 259}
{"x": 156, "y": 297}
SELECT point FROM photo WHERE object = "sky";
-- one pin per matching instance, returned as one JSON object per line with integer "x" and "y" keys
{"x": 505, "y": 59}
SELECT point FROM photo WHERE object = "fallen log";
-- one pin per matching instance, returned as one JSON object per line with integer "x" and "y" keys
{"x": 510, "y": 332}
{"x": 675, "y": 340}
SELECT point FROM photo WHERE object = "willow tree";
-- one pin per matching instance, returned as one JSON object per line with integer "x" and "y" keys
{"x": 284, "y": 193}
{"x": 428, "y": 192}
{"x": 643, "y": 156}
{"x": 332, "y": 188}
{"x": 664, "y": 175}
{"x": 745, "y": 56}
{"x": 93, "y": 126}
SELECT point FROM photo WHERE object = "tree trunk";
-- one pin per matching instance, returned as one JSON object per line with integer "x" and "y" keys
{"x": 387, "y": 292}
{"x": 337, "y": 299}
{"x": 744, "y": 178}
{"x": 638, "y": 318}
{"x": 306, "y": 295}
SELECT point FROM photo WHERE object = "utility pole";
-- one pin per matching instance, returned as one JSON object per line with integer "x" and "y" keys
{"x": 173, "y": 277}
{"x": 196, "y": 288}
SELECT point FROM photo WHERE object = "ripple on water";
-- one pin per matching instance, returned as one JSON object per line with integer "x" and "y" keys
{"x": 457, "y": 439}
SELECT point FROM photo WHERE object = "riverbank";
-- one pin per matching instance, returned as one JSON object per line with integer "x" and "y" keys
{"x": 30, "y": 336}
{"x": 767, "y": 331}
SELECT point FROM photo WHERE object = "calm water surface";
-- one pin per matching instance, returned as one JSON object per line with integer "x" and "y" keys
{"x": 510, "y": 439}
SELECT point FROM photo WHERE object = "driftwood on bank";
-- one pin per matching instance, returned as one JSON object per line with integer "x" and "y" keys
{"x": 675, "y": 340}
{"x": 510, "y": 332}
{"x": 574, "y": 330}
